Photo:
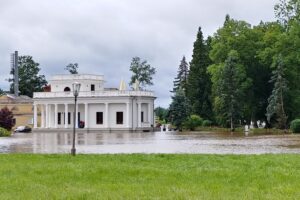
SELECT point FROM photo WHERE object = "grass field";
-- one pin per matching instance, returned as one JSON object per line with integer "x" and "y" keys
{"x": 139, "y": 176}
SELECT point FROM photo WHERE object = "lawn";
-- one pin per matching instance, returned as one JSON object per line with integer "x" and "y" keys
{"x": 140, "y": 176}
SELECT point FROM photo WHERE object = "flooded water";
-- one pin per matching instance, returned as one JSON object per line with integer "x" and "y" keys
{"x": 158, "y": 142}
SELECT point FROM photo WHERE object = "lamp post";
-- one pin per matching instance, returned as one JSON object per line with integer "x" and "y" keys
{"x": 76, "y": 88}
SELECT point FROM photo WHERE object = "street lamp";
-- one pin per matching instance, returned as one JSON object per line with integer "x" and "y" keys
{"x": 76, "y": 88}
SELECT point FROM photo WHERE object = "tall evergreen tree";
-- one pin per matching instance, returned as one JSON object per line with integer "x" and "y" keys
{"x": 182, "y": 76}
{"x": 29, "y": 79}
{"x": 231, "y": 88}
{"x": 276, "y": 100}
{"x": 199, "y": 83}
{"x": 179, "y": 109}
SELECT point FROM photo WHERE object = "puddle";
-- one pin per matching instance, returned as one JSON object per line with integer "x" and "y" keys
{"x": 158, "y": 142}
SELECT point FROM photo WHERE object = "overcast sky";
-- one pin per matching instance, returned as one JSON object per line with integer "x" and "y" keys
{"x": 102, "y": 36}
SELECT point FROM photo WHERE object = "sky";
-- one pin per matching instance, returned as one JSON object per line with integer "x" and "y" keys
{"x": 102, "y": 36}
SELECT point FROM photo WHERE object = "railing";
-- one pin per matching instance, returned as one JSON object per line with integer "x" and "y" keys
{"x": 93, "y": 94}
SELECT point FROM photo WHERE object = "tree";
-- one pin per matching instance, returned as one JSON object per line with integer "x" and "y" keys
{"x": 142, "y": 72}
{"x": 72, "y": 68}
{"x": 231, "y": 86}
{"x": 6, "y": 118}
{"x": 199, "y": 83}
{"x": 287, "y": 11}
{"x": 161, "y": 113}
{"x": 182, "y": 76}
{"x": 1, "y": 92}
{"x": 276, "y": 100}
{"x": 179, "y": 109}
{"x": 29, "y": 79}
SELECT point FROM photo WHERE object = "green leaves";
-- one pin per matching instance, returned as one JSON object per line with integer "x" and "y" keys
{"x": 29, "y": 79}
{"x": 142, "y": 71}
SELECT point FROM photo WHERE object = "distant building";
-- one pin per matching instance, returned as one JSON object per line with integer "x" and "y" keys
{"x": 99, "y": 108}
{"x": 21, "y": 106}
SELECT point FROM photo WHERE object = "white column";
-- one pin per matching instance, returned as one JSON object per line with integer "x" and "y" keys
{"x": 86, "y": 115}
{"x": 34, "y": 116}
{"x": 42, "y": 116}
{"x": 149, "y": 114}
{"x": 128, "y": 114}
{"x": 139, "y": 114}
{"x": 66, "y": 115}
{"x": 106, "y": 115}
{"x": 47, "y": 116}
{"x": 55, "y": 116}
{"x": 76, "y": 116}
{"x": 50, "y": 116}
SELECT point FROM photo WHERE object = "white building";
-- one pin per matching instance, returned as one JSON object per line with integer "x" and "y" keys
{"x": 97, "y": 107}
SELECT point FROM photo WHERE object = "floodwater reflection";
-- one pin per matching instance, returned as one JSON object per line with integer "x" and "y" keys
{"x": 157, "y": 142}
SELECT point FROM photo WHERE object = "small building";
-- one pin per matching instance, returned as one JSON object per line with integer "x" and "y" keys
{"x": 98, "y": 108}
{"x": 21, "y": 107}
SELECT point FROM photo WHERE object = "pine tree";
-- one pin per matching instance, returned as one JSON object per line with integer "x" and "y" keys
{"x": 276, "y": 100}
{"x": 199, "y": 83}
{"x": 179, "y": 109}
{"x": 231, "y": 88}
{"x": 182, "y": 76}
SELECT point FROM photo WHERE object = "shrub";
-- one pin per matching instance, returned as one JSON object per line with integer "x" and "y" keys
{"x": 4, "y": 132}
{"x": 6, "y": 118}
{"x": 192, "y": 122}
{"x": 206, "y": 123}
{"x": 295, "y": 126}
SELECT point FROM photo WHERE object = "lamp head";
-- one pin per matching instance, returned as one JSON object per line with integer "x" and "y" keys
{"x": 76, "y": 88}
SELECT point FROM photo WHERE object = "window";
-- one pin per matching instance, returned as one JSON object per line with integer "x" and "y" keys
{"x": 67, "y": 89}
{"x": 59, "y": 118}
{"x": 119, "y": 117}
{"x": 142, "y": 116}
{"x": 92, "y": 87}
{"x": 99, "y": 117}
{"x": 69, "y": 118}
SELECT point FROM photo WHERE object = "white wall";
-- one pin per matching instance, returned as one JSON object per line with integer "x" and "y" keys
{"x": 93, "y": 109}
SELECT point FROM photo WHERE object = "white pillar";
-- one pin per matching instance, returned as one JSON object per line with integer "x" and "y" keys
{"x": 149, "y": 114}
{"x": 128, "y": 114}
{"x": 47, "y": 116}
{"x": 42, "y": 116}
{"x": 86, "y": 115}
{"x": 55, "y": 116}
{"x": 34, "y": 116}
{"x": 106, "y": 115}
{"x": 66, "y": 115}
{"x": 76, "y": 116}
{"x": 139, "y": 114}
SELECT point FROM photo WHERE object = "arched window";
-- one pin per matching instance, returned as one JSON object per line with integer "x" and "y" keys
{"x": 67, "y": 89}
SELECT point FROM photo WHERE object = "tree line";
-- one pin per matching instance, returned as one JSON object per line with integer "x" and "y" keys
{"x": 242, "y": 73}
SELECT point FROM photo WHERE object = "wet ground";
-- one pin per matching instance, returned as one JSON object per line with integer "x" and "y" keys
{"x": 158, "y": 142}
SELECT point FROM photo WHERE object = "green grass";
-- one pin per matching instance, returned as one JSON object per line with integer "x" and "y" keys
{"x": 139, "y": 176}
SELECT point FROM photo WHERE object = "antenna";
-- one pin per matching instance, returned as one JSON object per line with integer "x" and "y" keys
{"x": 14, "y": 66}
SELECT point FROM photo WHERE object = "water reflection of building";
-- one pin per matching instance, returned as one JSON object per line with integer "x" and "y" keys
{"x": 98, "y": 108}
{"x": 61, "y": 142}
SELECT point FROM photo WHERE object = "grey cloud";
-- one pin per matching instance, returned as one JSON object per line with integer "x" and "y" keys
{"x": 102, "y": 36}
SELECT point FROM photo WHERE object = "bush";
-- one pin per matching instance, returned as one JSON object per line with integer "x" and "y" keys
{"x": 206, "y": 123}
{"x": 4, "y": 132}
{"x": 295, "y": 126}
{"x": 192, "y": 122}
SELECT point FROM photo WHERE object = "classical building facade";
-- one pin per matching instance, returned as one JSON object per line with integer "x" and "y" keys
{"x": 98, "y": 108}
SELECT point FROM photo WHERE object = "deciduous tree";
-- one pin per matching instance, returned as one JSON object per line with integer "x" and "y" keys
{"x": 142, "y": 71}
